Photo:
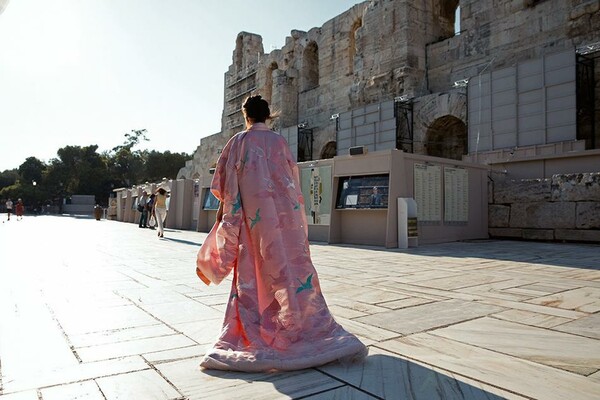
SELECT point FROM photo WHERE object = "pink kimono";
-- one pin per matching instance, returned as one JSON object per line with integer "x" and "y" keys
{"x": 276, "y": 317}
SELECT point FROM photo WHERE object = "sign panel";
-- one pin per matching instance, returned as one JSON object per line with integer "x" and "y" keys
{"x": 427, "y": 191}
{"x": 456, "y": 195}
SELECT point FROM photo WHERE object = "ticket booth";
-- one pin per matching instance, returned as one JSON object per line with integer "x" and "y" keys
{"x": 362, "y": 209}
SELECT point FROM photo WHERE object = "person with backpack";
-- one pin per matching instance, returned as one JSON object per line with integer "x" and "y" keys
{"x": 142, "y": 207}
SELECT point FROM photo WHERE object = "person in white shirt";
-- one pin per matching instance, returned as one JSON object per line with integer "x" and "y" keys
{"x": 9, "y": 207}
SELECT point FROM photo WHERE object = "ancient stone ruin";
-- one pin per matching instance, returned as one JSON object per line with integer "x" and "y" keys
{"x": 485, "y": 81}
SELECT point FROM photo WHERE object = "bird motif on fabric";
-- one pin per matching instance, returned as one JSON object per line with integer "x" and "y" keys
{"x": 237, "y": 205}
{"x": 296, "y": 206}
{"x": 306, "y": 285}
{"x": 256, "y": 218}
{"x": 270, "y": 186}
{"x": 290, "y": 183}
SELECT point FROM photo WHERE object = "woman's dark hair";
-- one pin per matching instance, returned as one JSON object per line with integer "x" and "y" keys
{"x": 162, "y": 191}
{"x": 256, "y": 109}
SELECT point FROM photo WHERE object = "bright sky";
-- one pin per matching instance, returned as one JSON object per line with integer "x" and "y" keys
{"x": 83, "y": 72}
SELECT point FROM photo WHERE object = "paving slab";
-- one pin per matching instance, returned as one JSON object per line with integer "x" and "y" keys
{"x": 87, "y": 390}
{"x": 105, "y": 310}
{"x": 545, "y": 346}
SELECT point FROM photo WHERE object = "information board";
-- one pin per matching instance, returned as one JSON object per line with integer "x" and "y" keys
{"x": 316, "y": 190}
{"x": 428, "y": 192}
{"x": 456, "y": 194}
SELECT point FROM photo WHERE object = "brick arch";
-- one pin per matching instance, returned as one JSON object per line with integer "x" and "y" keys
{"x": 432, "y": 108}
{"x": 268, "y": 92}
{"x": 310, "y": 66}
{"x": 447, "y": 138}
{"x": 446, "y": 12}
{"x": 328, "y": 151}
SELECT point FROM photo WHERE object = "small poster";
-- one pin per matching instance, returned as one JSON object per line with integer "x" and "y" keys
{"x": 316, "y": 189}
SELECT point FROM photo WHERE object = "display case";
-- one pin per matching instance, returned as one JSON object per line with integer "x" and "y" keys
{"x": 360, "y": 192}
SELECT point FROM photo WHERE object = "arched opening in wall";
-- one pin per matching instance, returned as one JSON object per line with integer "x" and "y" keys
{"x": 352, "y": 45}
{"x": 310, "y": 66}
{"x": 328, "y": 151}
{"x": 268, "y": 91}
{"x": 449, "y": 11}
{"x": 447, "y": 138}
{"x": 239, "y": 53}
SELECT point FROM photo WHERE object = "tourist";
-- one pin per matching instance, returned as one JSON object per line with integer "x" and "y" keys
{"x": 9, "y": 207}
{"x": 276, "y": 316}
{"x": 142, "y": 206}
{"x": 160, "y": 210}
{"x": 151, "y": 216}
{"x": 19, "y": 209}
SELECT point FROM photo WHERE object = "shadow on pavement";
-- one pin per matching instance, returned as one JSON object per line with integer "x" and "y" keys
{"x": 379, "y": 376}
{"x": 182, "y": 241}
{"x": 573, "y": 255}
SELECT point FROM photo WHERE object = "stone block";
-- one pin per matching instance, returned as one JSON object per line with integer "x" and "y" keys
{"x": 538, "y": 234}
{"x": 578, "y": 235}
{"x": 542, "y": 215}
{"x": 506, "y": 232}
{"x": 588, "y": 215}
{"x": 576, "y": 187}
{"x": 498, "y": 215}
{"x": 523, "y": 191}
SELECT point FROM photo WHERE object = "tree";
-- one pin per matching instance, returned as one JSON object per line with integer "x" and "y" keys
{"x": 31, "y": 170}
{"x": 8, "y": 177}
{"x": 167, "y": 164}
{"x": 126, "y": 164}
{"x": 79, "y": 170}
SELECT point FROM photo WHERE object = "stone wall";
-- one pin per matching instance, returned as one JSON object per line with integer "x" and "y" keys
{"x": 382, "y": 49}
{"x": 565, "y": 207}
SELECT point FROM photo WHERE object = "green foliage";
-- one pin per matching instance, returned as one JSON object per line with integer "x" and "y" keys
{"x": 126, "y": 164}
{"x": 8, "y": 177}
{"x": 31, "y": 170}
{"x": 82, "y": 170}
{"x": 161, "y": 165}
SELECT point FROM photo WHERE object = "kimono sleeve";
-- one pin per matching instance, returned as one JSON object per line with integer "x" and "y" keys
{"x": 219, "y": 252}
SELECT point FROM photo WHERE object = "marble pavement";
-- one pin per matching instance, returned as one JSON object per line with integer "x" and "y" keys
{"x": 104, "y": 310}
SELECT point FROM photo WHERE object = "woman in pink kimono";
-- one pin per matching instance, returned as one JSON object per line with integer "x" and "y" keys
{"x": 276, "y": 317}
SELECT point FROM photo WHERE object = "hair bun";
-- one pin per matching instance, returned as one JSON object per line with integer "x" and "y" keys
{"x": 256, "y": 108}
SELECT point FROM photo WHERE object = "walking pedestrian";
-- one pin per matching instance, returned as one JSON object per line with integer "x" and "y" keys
{"x": 9, "y": 207}
{"x": 276, "y": 316}
{"x": 19, "y": 209}
{"x": 142, "y": 207}
{"x": 160, "y": 210}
